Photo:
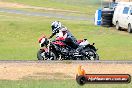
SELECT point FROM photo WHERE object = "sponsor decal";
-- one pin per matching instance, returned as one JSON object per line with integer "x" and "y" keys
{"x": 83, "y": 78}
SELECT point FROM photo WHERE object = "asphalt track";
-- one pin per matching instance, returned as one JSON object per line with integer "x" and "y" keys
{"x": 68, "y": 61}
{"x": 45, "y": 14}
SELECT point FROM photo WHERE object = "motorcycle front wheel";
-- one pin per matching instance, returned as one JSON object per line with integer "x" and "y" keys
{"x": 42, "y": 55}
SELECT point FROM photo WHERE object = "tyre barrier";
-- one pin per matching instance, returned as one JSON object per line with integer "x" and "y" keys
{"x": 107, "y": 16}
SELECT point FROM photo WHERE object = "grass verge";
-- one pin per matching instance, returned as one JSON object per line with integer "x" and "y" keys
{"x": 19, "y": 35}
{"x": 83, "y": 6}
{"x": 55, "y": 84}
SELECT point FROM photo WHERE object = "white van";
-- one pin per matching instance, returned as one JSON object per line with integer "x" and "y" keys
{"x": 122, "y": 17}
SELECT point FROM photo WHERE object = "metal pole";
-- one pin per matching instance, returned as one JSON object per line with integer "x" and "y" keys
{"x": 101, "y": 4}
{"x": 109, "y": 3}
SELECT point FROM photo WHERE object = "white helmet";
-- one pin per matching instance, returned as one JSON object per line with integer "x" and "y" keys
{"x": 56, "y": 25}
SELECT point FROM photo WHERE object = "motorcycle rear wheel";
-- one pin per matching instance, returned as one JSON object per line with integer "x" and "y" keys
{"x": 91, "y": 55}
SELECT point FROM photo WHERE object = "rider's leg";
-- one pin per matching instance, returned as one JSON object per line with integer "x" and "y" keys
{"x": 71, "y": 43}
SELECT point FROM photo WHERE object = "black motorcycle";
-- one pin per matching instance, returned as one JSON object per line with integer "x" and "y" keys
{"x": 59, "y": 50}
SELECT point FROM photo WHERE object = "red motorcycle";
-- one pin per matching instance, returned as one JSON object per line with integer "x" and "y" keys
{"x": 60, "y": 50}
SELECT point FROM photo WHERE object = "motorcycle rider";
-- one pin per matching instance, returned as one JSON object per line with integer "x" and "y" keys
{"x": 61, "y": 31}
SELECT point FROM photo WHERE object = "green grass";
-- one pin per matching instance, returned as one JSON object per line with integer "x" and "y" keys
{"x": 19, "y": 37}
{"x": 54, "y": 2}
{"x": 83, "y": 6}
{"x": 55, "y": 84}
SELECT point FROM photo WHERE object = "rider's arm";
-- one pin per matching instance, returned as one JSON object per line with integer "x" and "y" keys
{"x": 54, "y": 33}
{"x": 51, "y": 35}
